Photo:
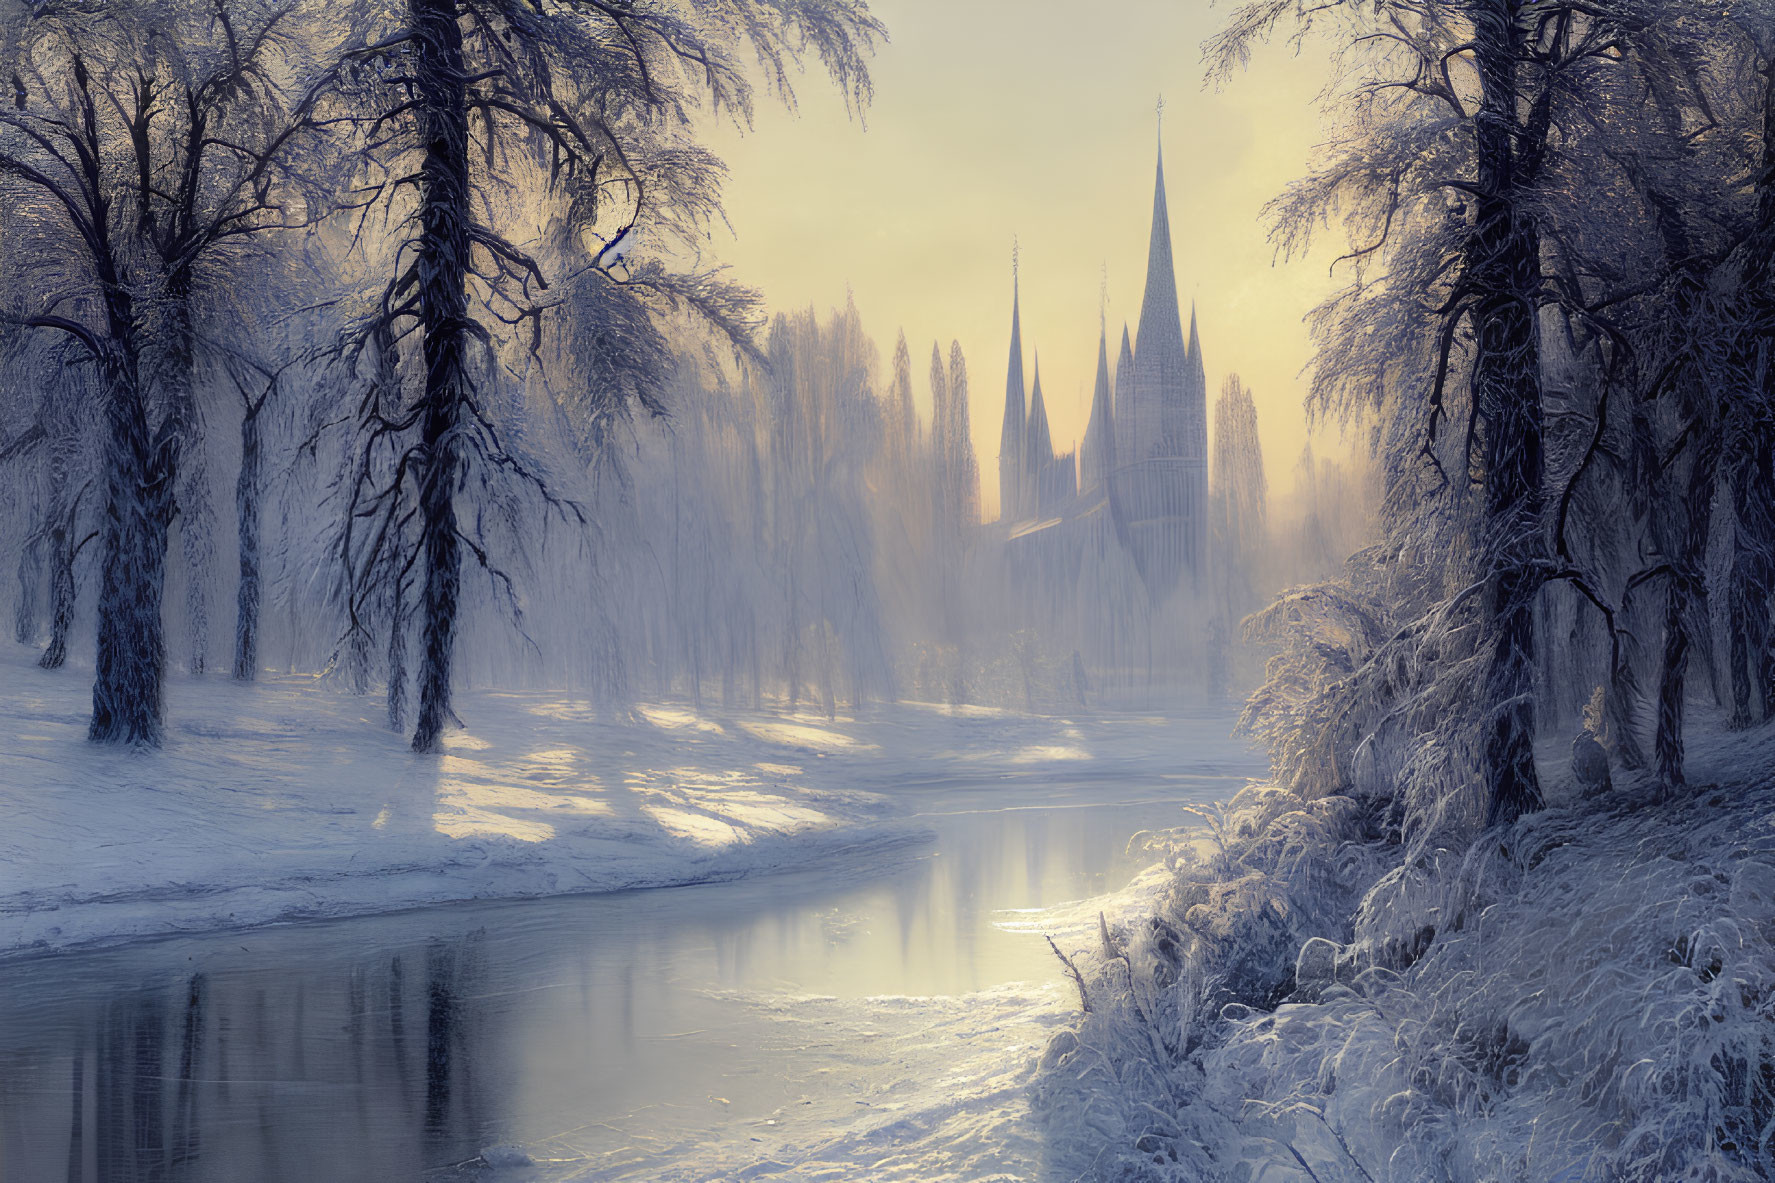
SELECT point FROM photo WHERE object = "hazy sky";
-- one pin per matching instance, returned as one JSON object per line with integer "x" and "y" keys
{"x": 1033, "y": 118}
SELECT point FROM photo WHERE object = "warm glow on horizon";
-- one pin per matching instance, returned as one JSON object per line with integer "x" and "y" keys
{"x": 1002, "y": 118}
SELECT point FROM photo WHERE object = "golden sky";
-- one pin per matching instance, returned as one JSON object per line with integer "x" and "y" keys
{"x": 1033, "y": 118}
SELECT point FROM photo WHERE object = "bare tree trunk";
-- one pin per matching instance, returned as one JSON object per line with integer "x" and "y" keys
{"x": 1620, "y": 701}
{"x": 357, "y": 660}
{"x": 26, "y": 610}
{"x": 1503, "y": 268}
{"x": 1745, "y": 631}
{"x": 397, "y": 634}
{"x": 1759, "y": 364}
{"x": 1761, "y": 634}
{"x": 197, "y": 519}
{"x": 1681, "y": 596}
{"x": 126, "y": 693}
{"x": 140, "y": 466}
{"x": 1684, "y": 540}
{"x": 246, "y": 506}
{"x": 1751, "y": 581}
{"x": 63, "y": 550}
{"x": 1753, "y": 478}
{"x": 440, "y": 80}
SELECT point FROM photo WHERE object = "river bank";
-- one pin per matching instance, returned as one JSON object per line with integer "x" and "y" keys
{"x": 287, "y": 799}
{"x": 875, "y": 1016}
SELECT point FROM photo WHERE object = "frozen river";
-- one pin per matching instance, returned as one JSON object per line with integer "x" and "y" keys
{"x": 868, "y": 1020}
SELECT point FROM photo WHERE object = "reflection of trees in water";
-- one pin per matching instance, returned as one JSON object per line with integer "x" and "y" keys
{"x": 912, "y": 894}
{"x": 440, "y": 1032}
{"x": 206, "y": 1079}
{"x": 397, "y": 1024}
{"x": 186, "y": 1144}
{"x": 981, "y": 864}
{"x": 77, "y": 1112}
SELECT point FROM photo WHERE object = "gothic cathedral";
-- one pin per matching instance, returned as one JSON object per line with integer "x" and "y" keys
{"x": 1142, "y": 471}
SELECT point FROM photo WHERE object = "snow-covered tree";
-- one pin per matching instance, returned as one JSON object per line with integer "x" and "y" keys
{"x": 1484, "y": 167}
{"x": 149, "y": 141}
{"x": 591, "y": 106}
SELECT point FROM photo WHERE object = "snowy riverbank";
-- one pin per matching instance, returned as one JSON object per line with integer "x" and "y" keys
{"x": 1589, "y": 998}
{"x": 287, "y": 800}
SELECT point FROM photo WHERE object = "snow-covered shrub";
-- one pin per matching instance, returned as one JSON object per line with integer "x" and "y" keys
{"x": 1302, "y": 712}
{"x": 1587, "y": 996}
{"x": 1124, "y": 1093}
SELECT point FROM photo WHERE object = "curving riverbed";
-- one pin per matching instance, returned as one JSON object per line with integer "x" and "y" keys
{"x": 861, "y": 1020}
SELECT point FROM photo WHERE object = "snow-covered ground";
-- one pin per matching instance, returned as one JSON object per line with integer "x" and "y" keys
{"x": 287, "y": 799}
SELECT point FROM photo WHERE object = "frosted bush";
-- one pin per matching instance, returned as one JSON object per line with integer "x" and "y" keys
{"x": 1587, "y": 996}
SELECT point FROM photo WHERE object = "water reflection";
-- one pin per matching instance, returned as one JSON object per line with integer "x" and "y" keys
{"x": 602, "y": 1028}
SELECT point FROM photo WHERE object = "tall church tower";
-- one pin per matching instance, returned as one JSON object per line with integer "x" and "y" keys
{"x": 1012, "y": 450}
{"x": 1160, "y": 483}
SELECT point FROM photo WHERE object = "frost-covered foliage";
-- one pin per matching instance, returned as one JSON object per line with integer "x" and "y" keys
{"x": 1134, "y": 1082}
{"x": 144, "y": 147}
{"x": 1542, "y": 474}
{"x": 1240, "y": 494}
{"x": 1549, "y": 332}
{"x": 773, "y": 538}
{"x": 169, "y": 166}
{"x": 754, "y": 498}
{"x": 535, "y": 158}
{"x": 1590, "y": 1000}
{"x": 1555, "y": 1030}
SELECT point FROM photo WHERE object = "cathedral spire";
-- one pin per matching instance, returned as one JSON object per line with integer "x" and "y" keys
{"x": 1012, "y": 498}
{"x": 1040, "y": 443}
{"x": 1097, "y": 455}
{"x": 1160, "y": 325}
{"x": 1122, "y": 397}
{"x": 1149, "y": 420}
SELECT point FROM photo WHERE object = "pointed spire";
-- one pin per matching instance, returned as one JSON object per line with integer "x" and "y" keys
{"x": 1194, "y": 348}
{"x": 1012, "y": 496}
{"x": 1041, "y": 444}
{"x": 939, "y": 408}
{"x": 1014, "y": 371}
{"x": 1125, "y": 367}
{"x": 1097, "y": 454}
{"x": 1147, "y": 420}
{"x": 1160, "y": 325}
